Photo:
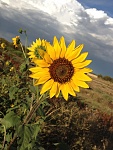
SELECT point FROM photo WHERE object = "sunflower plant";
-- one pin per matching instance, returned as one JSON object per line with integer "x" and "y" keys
{"x": 47, "y": 70}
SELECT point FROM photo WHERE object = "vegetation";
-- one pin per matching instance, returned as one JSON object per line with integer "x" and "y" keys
{"x": 107, "y": 78}
{"x": 84, "y": 122}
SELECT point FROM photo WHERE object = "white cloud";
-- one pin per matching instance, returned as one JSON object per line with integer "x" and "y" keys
{"x": 109, "y": 21}
{"x": 96, "y": 14}
{"x": 5, "y": 1}
{"x": 92, "y": 27}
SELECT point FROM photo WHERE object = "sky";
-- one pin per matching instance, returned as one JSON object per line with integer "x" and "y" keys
{"x": 105, "y": 5}
{"x": 86, "y": 21}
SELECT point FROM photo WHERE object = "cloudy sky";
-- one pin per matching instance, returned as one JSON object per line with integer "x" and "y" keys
{"x": 87, "y": 21}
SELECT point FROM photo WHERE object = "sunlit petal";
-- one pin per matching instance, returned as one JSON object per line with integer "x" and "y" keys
{"x": 75, "y": 53}
{"x": 63, "y": 47}
{"x": 41, "y": 63}
{"x": 81, "y": 58}
{"x": 43, "y": 79}
{"x": 82, "y": 64}
{"x": 80, "y": 83}
{"x": 47, "y": 86}
{"x": 54, "y": 89}
{"x": 82, "y": 76}
{"x": 64, "y": 91}
{"x": 47, "y": 58}
{"x": 70, "y": 49}
{"x": 57, "y": 47}
{"x": 50, "y": 50}
{"x": 74, "y": 86}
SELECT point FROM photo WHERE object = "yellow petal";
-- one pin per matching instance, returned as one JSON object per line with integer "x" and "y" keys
{"x": 37, "y": 69}
{"x": 43, "y": 79}
{"x": 82, "y": 64}
{"x": 81, "y": 58}
{"x": 63, "y": 47}
{"x": 30, "y": 53}
{"x": 41, "y": 52}
{"x": 38, "y": 42}
{"x": 43, "y": 42}
{"x": 74, "y": 86}
{"x": 79, "y": 83}
{"x": 41, "y": 62}
{"x": 54, "y": 89}
{"x": 64, "y": 91}
{"x": 58, "y": 90}
{"x": 85, "y": 70}
{"x": 70, "y": 48}
{"x": 66, "y": 88}
{"x": 70, "y": 89}
{"x": 36, "y": 75}
{"x": 47, "y": 58}
{"x": 57, "y": 47}
{"x": 47, "y": 86}
{"x": 82, "y": 76}
{"x": 30, "y": 48}
{"x": 76, "y": 52}
{"x": 39, "y": 74}
{"x": 50, "y": 50}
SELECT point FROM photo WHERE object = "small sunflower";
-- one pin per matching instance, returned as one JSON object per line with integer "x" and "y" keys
{"x": 35, "y": 48}
{"x": 16, "y": 41}
{"x": 7, "y": 63}
{"x": 61, "y": 69}
{"x": 3, "y": 46}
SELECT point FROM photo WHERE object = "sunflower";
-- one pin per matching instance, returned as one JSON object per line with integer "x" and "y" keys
{"x": 16, "y": 41}
{"x": 61, "y": 69}
{"x": 35, "y": 48}
{"x": 3, "y": 46}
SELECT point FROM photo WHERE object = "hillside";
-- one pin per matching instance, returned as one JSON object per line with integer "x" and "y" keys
{"x": 84, "y": 122}
{"x": 98, "y": 96}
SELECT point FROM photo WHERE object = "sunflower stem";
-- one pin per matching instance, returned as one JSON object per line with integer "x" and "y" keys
{"x": 22, "y": 50}
{"x": 26, "y": 41}
{"x": 4, "y": 137}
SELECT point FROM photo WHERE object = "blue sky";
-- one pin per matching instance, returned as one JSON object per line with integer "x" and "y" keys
{"x": 87, "y": 21}
{"x": 105, "y": 5}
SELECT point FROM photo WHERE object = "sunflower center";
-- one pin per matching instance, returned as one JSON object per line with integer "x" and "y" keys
{"x": 61, "y": 70}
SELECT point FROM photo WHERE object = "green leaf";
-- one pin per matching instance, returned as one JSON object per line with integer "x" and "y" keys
{"x": 3, "y": 81}
{"x": 36, "y": 130}
{"x": 10, "y": 120}
{"x": 23, "y": 67}
{"x": 20, "y": 31}
{"x": 12, "y": 92}
{"x": 40, "y": 111}
{"x": 8, "y": 137}
{"x": 27, "y": 61}
{"x": 25, "y": 133}
{"x": 45, "y": 103}
{"x": 33, "y": 89}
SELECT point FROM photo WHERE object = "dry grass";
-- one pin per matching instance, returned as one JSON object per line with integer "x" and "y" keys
{"x": 99, "y": 95}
